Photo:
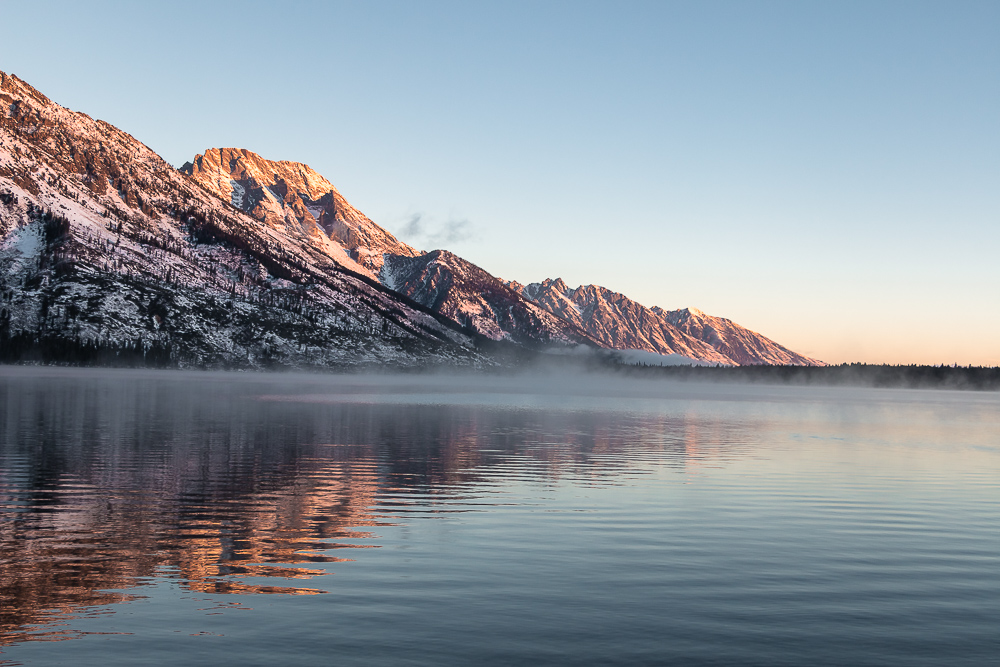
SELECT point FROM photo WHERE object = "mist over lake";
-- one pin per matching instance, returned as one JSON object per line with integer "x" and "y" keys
{"x": 212, "y": 518}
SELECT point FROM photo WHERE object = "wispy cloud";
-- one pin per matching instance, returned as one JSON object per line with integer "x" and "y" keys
{"x": 420, "y": 229}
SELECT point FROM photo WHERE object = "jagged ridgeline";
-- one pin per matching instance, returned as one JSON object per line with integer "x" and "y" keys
{"x": 291, "y": 195}
{"x": 293, "y": 198}
{"x": 110, "y": 255}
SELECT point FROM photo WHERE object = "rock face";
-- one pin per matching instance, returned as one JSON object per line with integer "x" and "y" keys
{"x": 743, "y": 346}
{"x": 617, "y": 322}
{"x": 108, "y": 252}
{"x": 294, "y": 199}
{"x": 469, "y": 295}
{"x": 291, "y": 197}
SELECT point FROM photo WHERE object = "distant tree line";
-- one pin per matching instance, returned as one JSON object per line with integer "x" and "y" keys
{"x": 24, "y": 347}
{"x": 982, "y": 378}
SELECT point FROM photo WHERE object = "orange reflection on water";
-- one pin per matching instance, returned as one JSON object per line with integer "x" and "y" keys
{"x": 82, "y": 549}
{"x": 108, "y": 487}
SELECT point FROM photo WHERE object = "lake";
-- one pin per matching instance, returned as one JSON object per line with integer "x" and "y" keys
{"x": 211, "y": 518}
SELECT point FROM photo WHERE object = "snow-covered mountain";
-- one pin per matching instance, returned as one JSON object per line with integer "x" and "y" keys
{"x": 738, "y": 343}
{"x": 235, "y": 260}
{"x": 469, "y": 295}
{"x": 291, "y": 197}
{"x": 107, "y": 251}
{"x": 619, "y": 323}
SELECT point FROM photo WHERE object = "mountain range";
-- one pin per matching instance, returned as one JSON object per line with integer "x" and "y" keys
{"x": 108, "y": 253}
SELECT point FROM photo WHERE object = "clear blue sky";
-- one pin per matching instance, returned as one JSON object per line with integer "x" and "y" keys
{"x": 827, "y": 174}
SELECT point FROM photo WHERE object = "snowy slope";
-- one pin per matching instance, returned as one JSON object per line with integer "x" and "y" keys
{"x": 738, "y": 343}
{"x": 241, "y": 261}
{"x": 292, "y": 197}
{"x": 620, "y": 323}
{"x": 617, "y": 322}
{"x": 469, "y": 295}
{"x": 105, "y": 245}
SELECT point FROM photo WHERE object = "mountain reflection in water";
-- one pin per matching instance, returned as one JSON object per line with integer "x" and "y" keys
{"x": 108, "y": 481}
{"x": 211, "y": 518}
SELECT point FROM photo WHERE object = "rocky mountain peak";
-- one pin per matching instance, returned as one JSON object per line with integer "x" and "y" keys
{"x": 557, "y": 284}
{"x": 16, "y": 88}
{"x": 293, "y": 196}
{"x": 683, "y": 314}
{"x": 617, "y": 322}
{"x": 241, "y": 164}
{"x": 86, "y": 206}
{"x": 107, "y": 250}
{"x": 740, "y": 344}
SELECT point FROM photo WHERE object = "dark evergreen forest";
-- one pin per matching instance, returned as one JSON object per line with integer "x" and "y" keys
{"x": 982, "y": 378}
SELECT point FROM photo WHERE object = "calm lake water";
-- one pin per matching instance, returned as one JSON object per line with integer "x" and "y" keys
{"x": 207, "y": 519}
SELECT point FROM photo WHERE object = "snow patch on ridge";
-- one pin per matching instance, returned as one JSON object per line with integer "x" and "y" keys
{"x": 238, "y": 194}
{"x": 21, "y": 248}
